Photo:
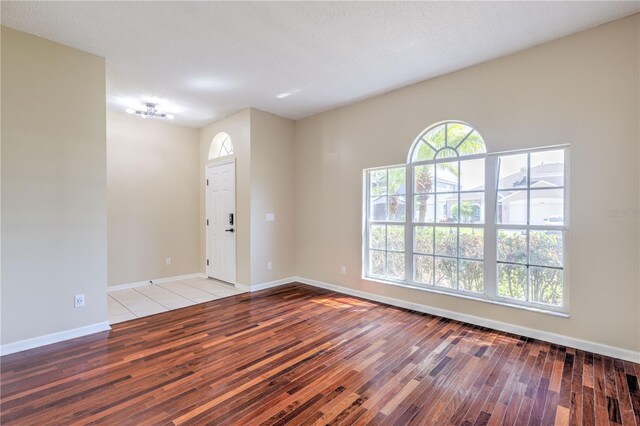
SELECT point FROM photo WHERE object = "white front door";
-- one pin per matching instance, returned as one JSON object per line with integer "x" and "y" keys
{"x": 221, "y": 222}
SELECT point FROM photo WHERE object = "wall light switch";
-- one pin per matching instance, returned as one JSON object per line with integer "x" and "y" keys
{"x": 271, "y": 217}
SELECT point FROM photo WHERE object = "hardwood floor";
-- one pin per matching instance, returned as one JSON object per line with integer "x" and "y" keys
{"x": 301, "y": 355}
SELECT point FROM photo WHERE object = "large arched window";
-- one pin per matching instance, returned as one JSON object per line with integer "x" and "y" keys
{"x": 452, "y": 219}
{"x": 220, "y": 146}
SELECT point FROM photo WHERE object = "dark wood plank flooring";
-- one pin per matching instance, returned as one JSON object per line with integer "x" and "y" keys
{"x": 301, "y": 355}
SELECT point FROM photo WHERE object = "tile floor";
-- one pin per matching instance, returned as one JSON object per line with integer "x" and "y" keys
{"x": 152, "y": 299}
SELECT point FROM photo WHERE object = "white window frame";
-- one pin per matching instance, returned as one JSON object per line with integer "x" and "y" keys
{"x": 367, "y": 222}
{"x": 564, "y": 228}
{"x": 490, "y": 229}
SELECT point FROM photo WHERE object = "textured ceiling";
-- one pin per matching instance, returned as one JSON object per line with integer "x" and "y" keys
{"x": 205, "y": 60}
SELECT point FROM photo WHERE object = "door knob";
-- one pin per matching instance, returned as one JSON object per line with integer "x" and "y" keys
{"x": 229, "y": 230}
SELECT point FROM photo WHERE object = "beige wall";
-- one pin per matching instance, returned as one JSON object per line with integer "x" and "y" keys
{"x": 153, "y": 200}
{"x": 272, "y": 191}
{"x": 238, "y": 126}
{"x": 583, "y": 90}
{"x": 54, "y": 203}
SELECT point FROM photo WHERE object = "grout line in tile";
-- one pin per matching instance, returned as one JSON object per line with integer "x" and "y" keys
{"x": 201, "y": 289}
{"x": 176, "y": 294}
{"x": 144, "y": 295}
{"x": 189, "y": 285}
{"x": 152, "y": 299}
{"x": 168, "y": 289}
{"x": 147, "y": 297}
{"x": 121, "y": 304}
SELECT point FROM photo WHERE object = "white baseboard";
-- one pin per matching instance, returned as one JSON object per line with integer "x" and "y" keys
{"x": 48, "y": 339}
{"x": 559, "y": 339}
{"x": 155, "y": 281}
{"x": 262, "y": 286}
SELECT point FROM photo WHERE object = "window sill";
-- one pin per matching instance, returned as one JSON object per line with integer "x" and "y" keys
{"x": 468, "y": 296}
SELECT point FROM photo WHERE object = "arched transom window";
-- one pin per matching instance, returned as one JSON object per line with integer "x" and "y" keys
{"x": 220, "y": 146}
{"x": 445, "y": 140}
{"x": 459, "y": 220}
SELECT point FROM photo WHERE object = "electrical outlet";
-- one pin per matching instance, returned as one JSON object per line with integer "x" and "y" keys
{"x": 343, "y": 270}
{"x": 270, "y": 217}
{"x": 167, "y": 261}
{"x": 79, "y": 300}
{"x": 269, "y": 265}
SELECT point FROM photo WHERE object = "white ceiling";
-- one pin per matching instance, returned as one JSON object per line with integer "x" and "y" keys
{"x": 205, "y": 60}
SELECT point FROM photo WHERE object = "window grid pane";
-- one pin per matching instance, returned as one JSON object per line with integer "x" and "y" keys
{"x": 512, "y": 281}
{"x": 545, "y": 285}
{"x": 423, "y": 269}
{"x": 423, "y": 239}
{"x": 471, "y": 275}
{"x": 377, "y": 237}
{"x": 423, "y": 208}
{"x": 446, "y": 272}
{"x": 377, "y": 263}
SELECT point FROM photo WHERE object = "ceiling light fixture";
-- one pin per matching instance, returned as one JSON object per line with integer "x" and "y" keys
{"x": 151, "y": 111}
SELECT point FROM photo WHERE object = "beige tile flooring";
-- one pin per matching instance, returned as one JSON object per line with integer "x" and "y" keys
{"x": 152, "y": 299}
